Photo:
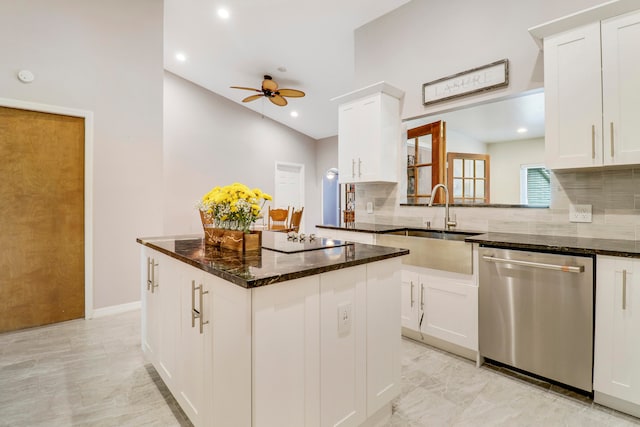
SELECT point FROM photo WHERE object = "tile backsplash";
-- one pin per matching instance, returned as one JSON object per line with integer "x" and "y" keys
{"x": 613, "y": 193}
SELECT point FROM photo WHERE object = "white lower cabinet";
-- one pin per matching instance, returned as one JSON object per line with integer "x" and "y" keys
{"x": 616, "y": 373}
{"x": 286, "y": 354}
{"x": 343, "y": 343}
{"x": 348, "y": 236}
{"x": 321, "y": 350}
{"x": 440, "y": 304}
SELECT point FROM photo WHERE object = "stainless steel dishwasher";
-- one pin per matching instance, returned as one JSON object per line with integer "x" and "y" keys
{"x": 536, "y": 313}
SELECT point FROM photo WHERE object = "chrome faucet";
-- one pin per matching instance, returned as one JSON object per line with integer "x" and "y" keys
{"x": 447, "y": 222}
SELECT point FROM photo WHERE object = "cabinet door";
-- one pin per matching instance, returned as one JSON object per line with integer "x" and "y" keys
{"x": 348, "y": 124}
{"x": 342, "y": 347}
{"x": 167, "y": 291}
{"x": 368, "y": 151}
{"x": 410, "y": 305}
{"x": 150, "y": 304}
{"x": 621, "y": 88}
{"x": 383, "y": 333}
{"x": 451, "y": 312}
{"x": 194, "y": 346}
{"x": 617, "y": 347}
{"x": 286, "y": 353}
{"x": 573, "y": 98}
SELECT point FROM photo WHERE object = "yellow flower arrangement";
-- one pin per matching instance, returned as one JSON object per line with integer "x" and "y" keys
{"x": 234, "y": 206}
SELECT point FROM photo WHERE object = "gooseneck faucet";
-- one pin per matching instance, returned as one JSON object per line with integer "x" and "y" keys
{"x": 447, "y": 222}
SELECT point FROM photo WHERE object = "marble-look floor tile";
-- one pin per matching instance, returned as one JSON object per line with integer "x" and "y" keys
{"x": 92, "y": 373}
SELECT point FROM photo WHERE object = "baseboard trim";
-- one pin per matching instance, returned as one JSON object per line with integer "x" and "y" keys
{"x": 116, "y": 309}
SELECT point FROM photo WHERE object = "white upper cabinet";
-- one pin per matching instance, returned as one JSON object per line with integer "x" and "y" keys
{"x": 592, "y": 82}
{"x": 621, "y": 89}
{"x": 369, "y": 134}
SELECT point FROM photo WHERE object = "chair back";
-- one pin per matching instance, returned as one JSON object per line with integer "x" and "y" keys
{"x": 278, "y": 218}
{"x": 296, "y": 218}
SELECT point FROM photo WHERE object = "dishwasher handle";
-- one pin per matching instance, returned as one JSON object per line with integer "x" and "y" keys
{"x": 564, "y": 268}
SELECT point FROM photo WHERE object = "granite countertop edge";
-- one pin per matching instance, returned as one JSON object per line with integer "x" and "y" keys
{"x": 546, "y": 243}
{"x": 275, "y": 277}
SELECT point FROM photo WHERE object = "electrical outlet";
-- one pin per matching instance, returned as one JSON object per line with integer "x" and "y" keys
{"x": 580, "y": 213}
{"x": 344, "y": 318}
{"x": 369, "y": 207}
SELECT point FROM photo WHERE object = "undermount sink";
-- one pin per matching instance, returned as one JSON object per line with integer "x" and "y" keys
{"x": 437, "y": 249}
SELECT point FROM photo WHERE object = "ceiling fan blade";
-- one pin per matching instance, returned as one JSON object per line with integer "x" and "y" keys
{"x": 278, "y": 100}
{"x": 246, "y": 88}
{"x": 252, "y": 98}
{"x": 292, "y": 93}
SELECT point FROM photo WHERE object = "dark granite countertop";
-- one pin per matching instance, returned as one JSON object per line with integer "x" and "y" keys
{"x": 265, "y": 267}
{"x": 561, "y": 244}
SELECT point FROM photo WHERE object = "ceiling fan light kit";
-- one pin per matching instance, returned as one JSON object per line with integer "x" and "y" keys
{"x": 270, "y": 91}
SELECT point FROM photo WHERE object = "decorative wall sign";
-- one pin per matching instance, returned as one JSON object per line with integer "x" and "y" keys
{"x": 488, "y": 77}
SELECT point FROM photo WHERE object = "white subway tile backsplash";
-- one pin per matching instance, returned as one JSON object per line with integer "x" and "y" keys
{"x": 614, "y": 195}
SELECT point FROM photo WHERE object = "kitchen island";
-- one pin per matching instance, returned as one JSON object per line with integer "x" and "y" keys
{"x": 242, "y": 340}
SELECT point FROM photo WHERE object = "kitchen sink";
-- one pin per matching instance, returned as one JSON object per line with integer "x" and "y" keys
{"x": 433, "y": 234}
{"x": 437, "y": 249}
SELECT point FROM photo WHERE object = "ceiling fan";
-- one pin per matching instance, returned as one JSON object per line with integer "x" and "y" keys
{"x": 270, "y": 91}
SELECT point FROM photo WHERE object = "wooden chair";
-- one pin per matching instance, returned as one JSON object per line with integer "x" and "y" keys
{"x": 278, "y": 219}
{"x": 296, "y": 218}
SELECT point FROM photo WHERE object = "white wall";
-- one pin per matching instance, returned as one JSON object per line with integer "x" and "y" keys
{"x": 425, "y": 40}
{"x": 210, "y": 140}
{"x": 506, "y": 159}
{"x": 105, "y": 57}
{"x": 458, "y": 142}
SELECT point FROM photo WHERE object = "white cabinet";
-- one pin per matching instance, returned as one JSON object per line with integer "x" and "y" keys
{"x": 450, "y": 308}
{"x": 343, "y": 347}
{"x": 616, "y": 373}
{"x": 592, "y": 94}
{"x": 410, "y": 307}
{"x": 161, "y": 323}
{"x": 208, "y": 370}
{"x": 383, "y": 333}
{"x": 369, "y": 137}
{"x": 286, "y": 354}
{"x": 440, "y": 304}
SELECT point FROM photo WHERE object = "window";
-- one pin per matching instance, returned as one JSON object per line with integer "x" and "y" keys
{"x": 468, "y": 177}
{"x": 535, "y": 185}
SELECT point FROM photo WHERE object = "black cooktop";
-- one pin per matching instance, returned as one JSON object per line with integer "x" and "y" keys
{"x": 280, "y": 242}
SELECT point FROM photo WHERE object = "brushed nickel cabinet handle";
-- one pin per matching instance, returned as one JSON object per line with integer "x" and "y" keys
{"x": 149, "y": 262}
{"x": 197, "y": 313}
{"x": 202, "y": 322}
{"x": 612, "y": 139}
{"x": 194, "y": 312}
{"x": 359, "y": 168}
{"x": 412, "y": 300}
{"x": 154, "y": 285}
{"x": 353, "y": 168}
{"x": 593, "y": 141}
{"x": 422, "y": 296}
{"x": 624, "y": 289}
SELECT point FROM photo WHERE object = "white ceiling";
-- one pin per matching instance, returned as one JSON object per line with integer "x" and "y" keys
{"x": 313, "y": 40}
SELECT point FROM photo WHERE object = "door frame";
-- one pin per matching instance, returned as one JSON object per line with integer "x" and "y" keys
{"x": 88, "y": 183}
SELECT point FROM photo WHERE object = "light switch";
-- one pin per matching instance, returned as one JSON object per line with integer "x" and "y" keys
{"x": 369, "y": 207}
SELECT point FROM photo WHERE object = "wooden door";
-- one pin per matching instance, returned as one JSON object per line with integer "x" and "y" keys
{"x": 426, "y": 147}
{"x": 41, "y": 218}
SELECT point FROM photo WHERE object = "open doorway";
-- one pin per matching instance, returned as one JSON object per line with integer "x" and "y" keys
{"x": 331, "y": 198}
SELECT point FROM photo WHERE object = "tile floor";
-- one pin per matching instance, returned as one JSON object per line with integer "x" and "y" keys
{"x": 92, "y": 373}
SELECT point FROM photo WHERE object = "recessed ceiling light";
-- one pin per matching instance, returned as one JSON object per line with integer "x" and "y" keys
{"x": 223, "y": 13}
{"x": 522, "y": 130}
{"x": 282, "y": 69}
{"x": 181, "y": 57}
{"x": 294, "y": 114}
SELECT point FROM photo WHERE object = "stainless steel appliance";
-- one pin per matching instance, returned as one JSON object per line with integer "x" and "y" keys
{"x": 536, "y": 313}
